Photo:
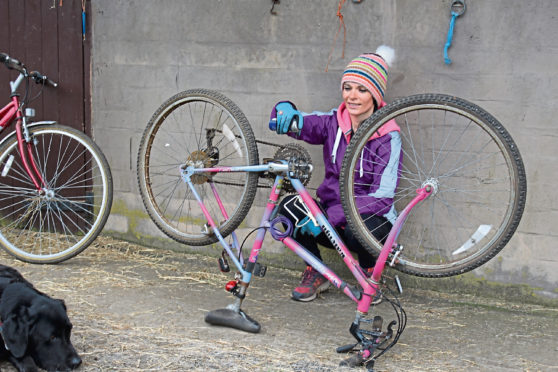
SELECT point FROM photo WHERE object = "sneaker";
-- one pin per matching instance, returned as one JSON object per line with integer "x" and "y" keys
{"x": 311, "y": 284}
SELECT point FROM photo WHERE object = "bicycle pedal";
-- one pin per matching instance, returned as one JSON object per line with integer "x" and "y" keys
{"x": 224, "y": 265}
{"x": 259, "y": 270}
{"x": 377, "y": 323}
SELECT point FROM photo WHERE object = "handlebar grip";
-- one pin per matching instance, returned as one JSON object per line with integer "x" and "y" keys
{"x": 292, "y": 129}
{"x": 52, "y": 83}
{"x": 11, "y": 63}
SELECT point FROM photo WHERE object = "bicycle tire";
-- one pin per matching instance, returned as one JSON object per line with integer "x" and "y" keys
{"x": 204, "y": 128}
{"x": 70, "y": 212}
{"x": 479, "y": 178}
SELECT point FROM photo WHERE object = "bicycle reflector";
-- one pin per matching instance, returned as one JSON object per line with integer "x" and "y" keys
{"x": 231, "y": 286}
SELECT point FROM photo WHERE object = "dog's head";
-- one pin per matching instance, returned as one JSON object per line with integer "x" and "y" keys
{"x": 36, "y": 325}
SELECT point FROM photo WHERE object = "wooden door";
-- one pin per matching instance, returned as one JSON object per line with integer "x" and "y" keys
{"x": 46, "y": 35}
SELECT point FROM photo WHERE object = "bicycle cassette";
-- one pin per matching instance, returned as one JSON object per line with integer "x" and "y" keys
{"x": 300, "y": 162}
{"x": 206, "y": 158}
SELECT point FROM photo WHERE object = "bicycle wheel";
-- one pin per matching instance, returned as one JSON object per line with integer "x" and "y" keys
{"x": 205, "y": 129}
{"x": 67, "y": 215}
{"x": 477, "y": 176}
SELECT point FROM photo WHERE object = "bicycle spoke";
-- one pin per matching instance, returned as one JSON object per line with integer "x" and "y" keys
{"x": 474, "y": 173}
{"x": 58, "y": 221}
{"x": 199, "y": 129}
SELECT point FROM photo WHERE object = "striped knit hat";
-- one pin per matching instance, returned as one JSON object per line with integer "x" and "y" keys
{"x": 371, "y": 71}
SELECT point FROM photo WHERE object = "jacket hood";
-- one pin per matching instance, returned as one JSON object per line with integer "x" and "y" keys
{"x": 344, "y": 120}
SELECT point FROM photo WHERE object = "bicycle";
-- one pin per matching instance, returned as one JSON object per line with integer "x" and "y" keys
{"x": 462, "y": 178}
{"x": 55, "y": 182}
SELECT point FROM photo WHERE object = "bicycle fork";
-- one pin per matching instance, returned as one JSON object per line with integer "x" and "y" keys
{"x": 25, "y": 148}
{"x": 373, "y": 342}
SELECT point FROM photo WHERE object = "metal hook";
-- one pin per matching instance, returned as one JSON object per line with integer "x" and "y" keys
{"x": 458, "y": 7}
{"x": 272, "y": 10}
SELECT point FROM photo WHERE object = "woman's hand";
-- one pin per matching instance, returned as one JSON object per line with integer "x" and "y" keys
{"x": 286, "y": 113}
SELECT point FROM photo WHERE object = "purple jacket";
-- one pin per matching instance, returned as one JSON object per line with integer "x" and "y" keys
{"x": 379, "y": 164}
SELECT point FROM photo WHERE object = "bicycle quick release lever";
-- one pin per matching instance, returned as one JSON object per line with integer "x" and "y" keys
{"x": 293, "y": 128}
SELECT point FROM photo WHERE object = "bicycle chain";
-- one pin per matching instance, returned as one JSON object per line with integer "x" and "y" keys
{"x": 268, "y": 143}
{"x": 286, "y": 151}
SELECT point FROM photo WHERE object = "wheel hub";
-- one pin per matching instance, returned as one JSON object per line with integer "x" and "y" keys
{"x": 199, "y": 159}
{"x": 48, "y": 194}
{"x": 431, "y": 183}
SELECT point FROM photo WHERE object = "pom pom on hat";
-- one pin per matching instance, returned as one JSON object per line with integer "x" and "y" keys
{"x": 387, "y": 53}
{"x": 371, "y": 71}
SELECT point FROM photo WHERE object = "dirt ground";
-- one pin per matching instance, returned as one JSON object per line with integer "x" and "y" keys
{"x": 140, "y": 309}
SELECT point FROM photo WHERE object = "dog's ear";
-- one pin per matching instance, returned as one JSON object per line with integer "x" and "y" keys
{"x": 15, "y": 331}
{"x": 14, "y": 311}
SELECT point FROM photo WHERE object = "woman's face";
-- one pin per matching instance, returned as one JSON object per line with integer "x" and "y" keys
{"x": 359, "y": 102}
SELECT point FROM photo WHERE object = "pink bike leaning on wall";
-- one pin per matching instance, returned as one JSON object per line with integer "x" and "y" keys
{"x": 460, "y": 197}
{"x": 55, "y": 183}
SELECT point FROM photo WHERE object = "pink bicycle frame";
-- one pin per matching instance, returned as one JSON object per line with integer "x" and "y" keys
{"x": 370, "y": 286}
{"x": 8, "y": 112}
{"x": 13, "y": 111}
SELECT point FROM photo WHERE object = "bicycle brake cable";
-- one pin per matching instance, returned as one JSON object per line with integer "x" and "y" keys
{"x": 26, "y": 94}
{"x": 246, "y": 237}
{"x": 38, "y": 94}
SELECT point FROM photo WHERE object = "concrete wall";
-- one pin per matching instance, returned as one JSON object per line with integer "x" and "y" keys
{"x": 504, "y": 58}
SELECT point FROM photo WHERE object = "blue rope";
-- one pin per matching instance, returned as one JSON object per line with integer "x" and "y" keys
{"x": 460, "y": 7}
{"x": 83, "y": 24}
{"x": 447, "y": 59}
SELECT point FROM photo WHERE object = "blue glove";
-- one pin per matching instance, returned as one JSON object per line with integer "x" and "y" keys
{"x": 285, "y": 115}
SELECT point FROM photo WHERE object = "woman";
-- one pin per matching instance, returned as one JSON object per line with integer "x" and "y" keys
{"x": 363, "y": 85}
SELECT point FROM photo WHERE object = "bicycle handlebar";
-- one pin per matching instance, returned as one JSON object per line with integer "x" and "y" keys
{"x": 42, "y": 79}
{"x": 15, "y": 64}
{"x": 293, "y": 127}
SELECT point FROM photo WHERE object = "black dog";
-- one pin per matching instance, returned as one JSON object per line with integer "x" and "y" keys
{"x": 35, "y": 329}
